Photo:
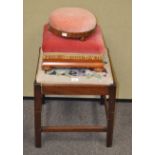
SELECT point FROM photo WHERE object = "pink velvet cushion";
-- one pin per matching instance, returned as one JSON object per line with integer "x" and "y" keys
{"x": 93, "y": 44}
{"x": 72, "y": 19}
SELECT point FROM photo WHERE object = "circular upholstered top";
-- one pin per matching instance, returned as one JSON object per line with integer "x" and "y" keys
{"x": 72, "y": 20}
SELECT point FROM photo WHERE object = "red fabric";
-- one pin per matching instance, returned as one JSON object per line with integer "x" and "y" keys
{"x": 64, "y": 19}
{"x": 93, "y": 44}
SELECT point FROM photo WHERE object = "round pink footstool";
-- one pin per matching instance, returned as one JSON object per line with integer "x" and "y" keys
{"x": 72, "y": 22}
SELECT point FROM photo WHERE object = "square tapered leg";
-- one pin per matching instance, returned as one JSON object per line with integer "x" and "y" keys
{"x": 102, "y": 100}
{"x": 111, "y": 114}
{"x": 37, "y": 114}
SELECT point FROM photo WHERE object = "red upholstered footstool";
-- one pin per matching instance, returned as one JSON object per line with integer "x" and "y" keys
{"x": 93, "y": 44}
{"x": 91, "y": 50}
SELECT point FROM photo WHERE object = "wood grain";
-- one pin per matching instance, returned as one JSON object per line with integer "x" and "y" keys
{"x": 80, "y": 128}
{"x": 81, "y": 35}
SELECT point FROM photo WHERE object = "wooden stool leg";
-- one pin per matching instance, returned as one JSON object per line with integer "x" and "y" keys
{"x": 43, "y": 99}
{"x": 102, "y": 100}
{"x": 111, "y": 112}
{"x": 37, "y": 113}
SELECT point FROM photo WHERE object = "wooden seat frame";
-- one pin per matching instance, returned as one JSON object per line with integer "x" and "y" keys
{"x": 40, "y": 90}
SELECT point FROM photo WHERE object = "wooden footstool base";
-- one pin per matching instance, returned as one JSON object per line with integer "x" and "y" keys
{"x": 42, "y": 88}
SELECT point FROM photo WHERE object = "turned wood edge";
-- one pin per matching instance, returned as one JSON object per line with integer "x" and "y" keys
{"x": 81, "y": 35}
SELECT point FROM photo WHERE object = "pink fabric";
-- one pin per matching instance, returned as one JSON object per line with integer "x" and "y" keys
{"x": 93, "y": 44}
{"x": 74, "y": 20}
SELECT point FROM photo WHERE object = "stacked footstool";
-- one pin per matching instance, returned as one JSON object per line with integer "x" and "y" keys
{"x": 73, "y": 63}
{"x": 72, "y": 39}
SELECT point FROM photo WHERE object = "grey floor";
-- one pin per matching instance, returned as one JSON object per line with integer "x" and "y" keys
{"x": 78, "y": 112}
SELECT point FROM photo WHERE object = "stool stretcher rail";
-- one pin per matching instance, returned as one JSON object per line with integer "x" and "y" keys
{"x": 72, "y": 128}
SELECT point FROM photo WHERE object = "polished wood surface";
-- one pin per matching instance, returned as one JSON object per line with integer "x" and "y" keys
{"x": 80, "y": 128}
{"x": 111, "y": 112}
{"x": 75, "y": 89}
{"x": 65, "y": 64}
{"x": 72, "y": 58}
{"x": 72, "y": 35}
{"x": 37, "y": 113}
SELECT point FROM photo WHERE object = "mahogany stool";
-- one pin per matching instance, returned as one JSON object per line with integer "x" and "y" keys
{"x": 103, "y": 85}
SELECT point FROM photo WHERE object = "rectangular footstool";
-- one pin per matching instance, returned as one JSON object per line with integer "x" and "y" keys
{"x": 75, "y": 82}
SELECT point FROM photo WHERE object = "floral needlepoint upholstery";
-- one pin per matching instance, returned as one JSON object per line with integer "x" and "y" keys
{"x": 75, "y": 76}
